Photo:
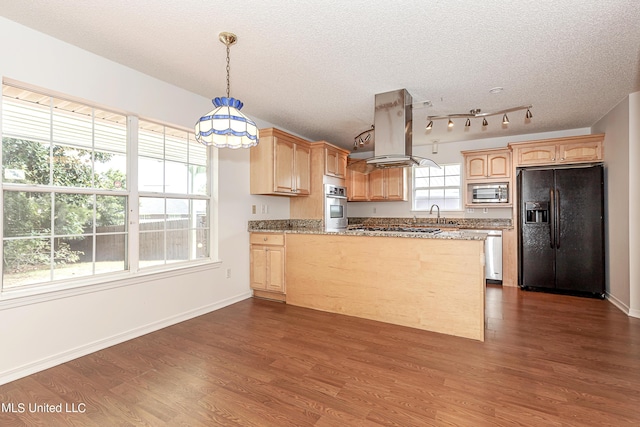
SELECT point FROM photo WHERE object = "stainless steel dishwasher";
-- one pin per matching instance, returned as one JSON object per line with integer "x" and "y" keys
{"x": 493, "y": 254}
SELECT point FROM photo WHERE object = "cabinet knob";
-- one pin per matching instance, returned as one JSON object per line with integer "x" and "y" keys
{"x": 562, "y": 158}
{"x": 265, "y": 239}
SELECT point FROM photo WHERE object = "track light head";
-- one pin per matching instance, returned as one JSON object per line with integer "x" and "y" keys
{"x": 485, "y": 122}
{"x": 528, "y": 115}
{"x": 450, "y": 124}
{"x": 505, "y": 119}
{"x": 429, "y": 125}
{"x": 467, "y": 123}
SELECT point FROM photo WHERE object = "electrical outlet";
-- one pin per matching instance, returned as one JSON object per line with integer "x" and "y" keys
{"x": 374, "y": 210}
{"x": 263, "y": 209}
{"x": 485, "y": 210}
{"x": 470, "y": 210}
{"x": 228, "y": 273}
{"x": 253, "y": 209}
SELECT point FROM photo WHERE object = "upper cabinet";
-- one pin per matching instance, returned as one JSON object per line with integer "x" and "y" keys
{"x": 490, "y": 167}
{"x": 328, "y": 166}
{"x": 486, "y": 165}
{"x": 575, "y": 149}
{"x": 357, "y": 186}
{"x": 280, "y": 164}
{"x": 335, "y": 161}
{"x": 381, "y": 185}
{"x": 388, "y": 185}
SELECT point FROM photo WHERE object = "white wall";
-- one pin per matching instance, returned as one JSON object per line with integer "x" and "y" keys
{"x": 449, "y": 153}
{"x": 634, "y": 203}
{"x": 615, "y": 126}
{"x": 622, "y": 153}
{"x": 37, "y": 333}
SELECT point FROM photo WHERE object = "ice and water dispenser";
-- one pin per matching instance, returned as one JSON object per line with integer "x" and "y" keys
{"x": 536, "y": 212}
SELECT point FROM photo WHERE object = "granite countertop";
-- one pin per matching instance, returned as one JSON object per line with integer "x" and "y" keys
{"x": 460, "y": 223}
{"x": 315, "y": 227}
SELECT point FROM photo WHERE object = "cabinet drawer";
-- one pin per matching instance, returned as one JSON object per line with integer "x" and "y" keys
{"x": 267, "y": 239}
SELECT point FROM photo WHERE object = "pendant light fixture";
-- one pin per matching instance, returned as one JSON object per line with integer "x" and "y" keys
{"x": 225, "y": 126}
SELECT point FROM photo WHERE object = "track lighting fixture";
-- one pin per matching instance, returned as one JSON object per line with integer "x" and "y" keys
{"x": 478, "y": 113}
{"x": 363, "y": 138}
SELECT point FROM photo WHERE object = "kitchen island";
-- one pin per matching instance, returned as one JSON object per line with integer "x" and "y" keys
{"x": 430, "y": 281}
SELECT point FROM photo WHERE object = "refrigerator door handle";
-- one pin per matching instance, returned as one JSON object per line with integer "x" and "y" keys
{"x": 557, "y": 218}
{"x": 552, "y": 218}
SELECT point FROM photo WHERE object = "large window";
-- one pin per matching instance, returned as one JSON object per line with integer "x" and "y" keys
{"x": 174, "y": 206}
{"x": 439, "y": 186}
{"x": 66, "y": 196}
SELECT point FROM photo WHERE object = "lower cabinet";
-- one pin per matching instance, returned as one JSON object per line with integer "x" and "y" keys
{"x": 267, "y": 255}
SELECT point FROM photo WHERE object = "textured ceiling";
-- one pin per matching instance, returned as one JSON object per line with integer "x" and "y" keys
{"x": 313, "y": 66}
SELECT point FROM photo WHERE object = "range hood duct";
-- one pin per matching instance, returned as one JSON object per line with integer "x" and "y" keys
{"x": 393, "y": 126}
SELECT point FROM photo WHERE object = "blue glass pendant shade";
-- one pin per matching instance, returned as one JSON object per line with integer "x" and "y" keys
{"x": 226, "y": 127}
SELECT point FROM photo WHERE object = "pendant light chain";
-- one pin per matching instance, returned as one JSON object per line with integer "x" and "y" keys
{"x": 228, "y": 70}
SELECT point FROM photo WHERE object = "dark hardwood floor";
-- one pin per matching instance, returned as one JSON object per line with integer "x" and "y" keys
{"x": 548, "y": 360}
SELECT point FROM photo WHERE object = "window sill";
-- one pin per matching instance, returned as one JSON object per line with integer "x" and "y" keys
{"x": 20, "y": 297}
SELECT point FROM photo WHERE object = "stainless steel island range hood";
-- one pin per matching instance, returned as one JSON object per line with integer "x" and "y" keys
{"x": 393, "y": 142}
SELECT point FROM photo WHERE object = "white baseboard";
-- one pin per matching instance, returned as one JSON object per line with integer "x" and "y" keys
{"x": 66, "y": 356}
{"x": 622, "y": 306}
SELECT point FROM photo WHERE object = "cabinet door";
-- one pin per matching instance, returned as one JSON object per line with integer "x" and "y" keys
{"x": 476, "y": 166}
{"x": 357, "y": 186}
{"x": 258, "y": 267}
{"x": 498, "y": 165}
{"x": 377, "y": 185}
{"x": 538, "y": 155}
{"x": 302, "y": 170}
{"x": 283, "y": 166}
{"x": 275, "y": 270}
{"x": 396, "y": 184}
{"x": 330, "y": 162}
{"x": 580, "y": 152}
{"x": 342, "y": 165}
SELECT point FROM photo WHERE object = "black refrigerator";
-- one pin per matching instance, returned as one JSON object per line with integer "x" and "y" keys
{"x": 561, "y": 229}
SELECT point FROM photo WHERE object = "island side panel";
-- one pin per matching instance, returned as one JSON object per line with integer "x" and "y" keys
{"x": 432, "y": 284}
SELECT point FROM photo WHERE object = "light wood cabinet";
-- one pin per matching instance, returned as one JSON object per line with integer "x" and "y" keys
{"x": 490, "y": 166}
{"x": 357, "y": 186}
{"x": 267, "y": 275}
{"x": 325, "y": 157}
{"x": 577, "y": 149}
{"x": 380, "y": 185}
{"x": 280, "y": 164}
{"x": 487, "y": 164}
{"x": 388, "y": 185}
{"x": 335, "y": 162}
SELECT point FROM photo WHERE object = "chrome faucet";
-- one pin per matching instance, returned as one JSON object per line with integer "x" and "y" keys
{"x": 431, "y": 212}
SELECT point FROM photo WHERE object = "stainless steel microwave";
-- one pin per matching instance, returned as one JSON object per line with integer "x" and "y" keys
{"x": 490, "y": 193}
